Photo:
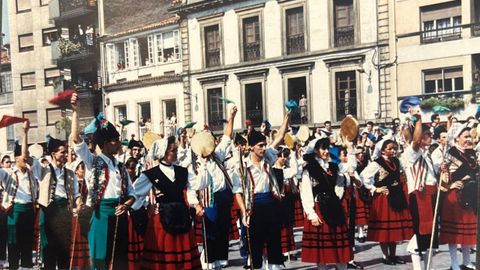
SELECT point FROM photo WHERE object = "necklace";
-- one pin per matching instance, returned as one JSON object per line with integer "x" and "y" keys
{"x": 390, "y": 164}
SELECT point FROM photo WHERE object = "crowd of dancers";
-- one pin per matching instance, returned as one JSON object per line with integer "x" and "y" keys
{"x": 179, "y": 203}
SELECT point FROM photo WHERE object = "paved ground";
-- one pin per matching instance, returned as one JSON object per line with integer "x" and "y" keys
{"x": 368, "y": 255}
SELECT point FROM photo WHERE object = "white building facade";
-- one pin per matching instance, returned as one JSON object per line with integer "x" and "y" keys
{"x": 261, "y": 54}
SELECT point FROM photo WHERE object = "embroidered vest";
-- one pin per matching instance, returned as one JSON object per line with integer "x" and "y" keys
{"x": 49, "y": 183}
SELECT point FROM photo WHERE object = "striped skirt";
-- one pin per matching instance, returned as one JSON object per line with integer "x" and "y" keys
{"x": 165, "y": 251}
{"x": 79, "y": 247}
{"x": 458, "y": 224}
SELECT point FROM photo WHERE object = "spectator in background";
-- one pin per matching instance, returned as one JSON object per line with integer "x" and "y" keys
{"x": 303, "y": 109}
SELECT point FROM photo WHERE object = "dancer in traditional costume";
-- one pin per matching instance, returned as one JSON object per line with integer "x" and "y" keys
{"x": 20, "y": 189}
{"x": 260, "y": 202}
{"x": 110, "y": 194}
{"x": 362, "y": 203}
{"x": 169, "y": 238}
{"x": 325, "y": 236}
{"x": 390, "y": 219}
{"x": 459, "y": 213}
{"x": 59, "y": 196}
{"x": 285, "y": 171}
{"x": 215, "y": 204}
{"x": 422, "y": 186}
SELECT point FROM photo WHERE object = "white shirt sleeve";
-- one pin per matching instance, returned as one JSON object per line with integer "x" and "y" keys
{"x": 236, "y": 182}
{"x": 368, "y": 176}
{"x": 84, "y": 153}
{"x": 192, "y": 187}
{"x": 306, "y": 194}
{"x": 141, "y": 186}
{"x": 222, "y": 147}
{"x": 292, "y": 170}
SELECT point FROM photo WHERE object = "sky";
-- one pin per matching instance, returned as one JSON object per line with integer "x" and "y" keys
{"x": 6, "y": 39}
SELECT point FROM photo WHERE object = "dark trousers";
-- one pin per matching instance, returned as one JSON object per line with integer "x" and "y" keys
{"x": 121, "y": 242}
{"x": 218, "y": 230}
{"x": 58, "y": 224}
{"x": 265, "y": 228}
{"x": 22, "y": 249}
{"x": 3, "y": 235}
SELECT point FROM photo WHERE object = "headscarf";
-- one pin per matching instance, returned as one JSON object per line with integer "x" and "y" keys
{"x": 158, "y": 150}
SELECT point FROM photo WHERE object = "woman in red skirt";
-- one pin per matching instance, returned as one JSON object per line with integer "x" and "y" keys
{"x": 390, "y": 220}
{"x": 80, "y": 253}
{"x": 325, "y": 235}
{"x": 362, "y": 205}
{"x": 169, "y": 239}
{"x": 459, "y": 216}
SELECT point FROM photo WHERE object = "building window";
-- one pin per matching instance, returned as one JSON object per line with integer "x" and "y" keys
{"x": 144, "y": 51}
{"x": 27, "y": 80}
{"x": 53, "y": 116}
{"x": 215, "y": 108}
{"x": 443, "y": 80}
{"x": 145, "y": 116}
{"x": 6, "y": 82}
{"x": 344, "y": 23}
{"x": 346, "y": 94}
{"x": 251, "y": 39}
{"x": 49, "y": 35}
{"x": 51, "y": 75}
{"x": 120, "y": 113}
{"x": 25, "y": 42}
{"x": 295, "y": 30}
{"x": 44, "y": 2}
{"x": 170, "y": 117}
{"x": 23, "y": 6}
{"x": 254, "y": 103}
{"x": 212, "y": 45}
{"x": 32, "y": 116}
{"x": 297, "y": 87}
{"x": 441, "y": 22}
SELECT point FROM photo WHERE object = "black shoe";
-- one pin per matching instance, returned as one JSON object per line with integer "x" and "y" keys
{"x": 388, "y": 261}
{"x": 398, "y": 260}
{"x": 362, "y": 239}
{"x": 354, "y": 265}
{"x": 464, "y": 267}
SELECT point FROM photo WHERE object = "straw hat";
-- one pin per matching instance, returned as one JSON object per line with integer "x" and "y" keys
{"x": 203, "y": 144}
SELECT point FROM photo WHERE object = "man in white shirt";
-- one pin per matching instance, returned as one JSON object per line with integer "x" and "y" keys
{"x": 110, "y": 193}
{"x": 216, "y": 197}
{"x": 58, "y": 196}
{"x": 20, "y": 189}
{"x": 259, "y": 204}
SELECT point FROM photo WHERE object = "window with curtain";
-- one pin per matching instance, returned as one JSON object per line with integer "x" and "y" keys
{"x": 295, "y": 30}
{"x": 27, "y": 80}
{"x": 443, "y": 80}
{"x": 212, "y": 45}
{"x": 441, "y": 22}
{"x": 344, "y": 23}
{"x": 251, "y": 38}
{"x": 25, "y": 42}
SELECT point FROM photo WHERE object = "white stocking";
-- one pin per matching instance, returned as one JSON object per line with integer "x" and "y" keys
{"x": 466, "y": 255}
{"x": 452, "y": 248}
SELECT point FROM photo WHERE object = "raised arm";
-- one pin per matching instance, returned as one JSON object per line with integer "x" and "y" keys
{"x": 228, "y": 131}
{"x": 26, "y": 127}
{"x": 281, "y": 131}
{"x": 417, "y": 133}
{"x": 75, "y": 134}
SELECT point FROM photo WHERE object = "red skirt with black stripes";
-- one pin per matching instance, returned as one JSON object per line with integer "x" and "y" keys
{"x": 287, "y": 239}
{"x": 324, "y": 244}
{"x": 362, "y": 210}
{"x": 299, "y": 216}
{"x": 165, "y": 251}
{"x": 135, "y": 246}
{"x": 79, "y": 247}
{"x": 458, "y": 224}
{"x": 386, "y": 225}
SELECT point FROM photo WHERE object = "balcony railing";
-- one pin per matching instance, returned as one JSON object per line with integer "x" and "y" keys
{"x": 296, "y": 43}
{"x": 439, "y": 35}
{"x": 251, "y": 51}
{"x": 64, "y": 51}
{"x": 213, "y": 58}
{"x": 72, "y": 7}
{"x": 6, "y": 98}
{"x": 344, "y": 36}
{"x": 346, "y": 107}
{"x": 255, "y": 115}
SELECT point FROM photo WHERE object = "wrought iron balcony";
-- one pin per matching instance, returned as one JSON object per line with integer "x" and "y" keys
{"x": 74, "y": 8}
{"x": 255, "y": 115}
{"x": 439, "y": 35}
{"x": 213, "y": 58}
{"x": 251, "y": 51}
{"x": 296, "y": 44}
{"x": 346, "y": 107}
{"x": 6, "y": 98}
{"x": 344, "y": 36}
{"x": 66, "y": 51}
